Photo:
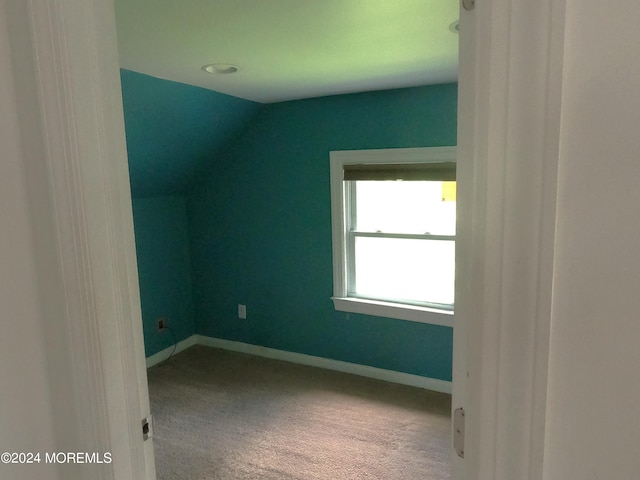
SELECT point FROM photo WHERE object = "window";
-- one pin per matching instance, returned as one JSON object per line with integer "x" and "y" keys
{"x": 393, "y": 220}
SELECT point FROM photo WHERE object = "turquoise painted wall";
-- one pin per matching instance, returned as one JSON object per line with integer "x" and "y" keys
{"x": 164, "y": 269}
{"x": 174, "y": 131}
{"x": 260, "y": 229}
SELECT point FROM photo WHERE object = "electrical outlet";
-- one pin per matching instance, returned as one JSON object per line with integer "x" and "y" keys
{"x": 162, "y": 324}
{"x": 242, "y": 311}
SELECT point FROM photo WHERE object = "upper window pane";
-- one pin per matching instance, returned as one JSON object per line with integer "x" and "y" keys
{"x": 406, "y": 207}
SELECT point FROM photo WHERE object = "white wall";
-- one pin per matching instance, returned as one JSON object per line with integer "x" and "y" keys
{"x": 26, "y": 421}
{"x": 593, "y": 417}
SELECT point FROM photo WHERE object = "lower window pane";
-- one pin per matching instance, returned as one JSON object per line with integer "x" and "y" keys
{"x": 403, "y": 269}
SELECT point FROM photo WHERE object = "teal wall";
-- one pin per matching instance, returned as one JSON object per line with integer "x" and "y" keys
{"x": 260, "y": 229}
{"x": 173, "y": 134}
{"x": 174, "y": 131}
{"x": 164, "y": 270}
{"x": 257, "y": 230}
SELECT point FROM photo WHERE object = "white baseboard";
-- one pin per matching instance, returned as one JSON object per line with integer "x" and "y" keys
{"x": 329, "y": 364}
{"x": 162, "y": 355}
{"x": 303, "y": 359}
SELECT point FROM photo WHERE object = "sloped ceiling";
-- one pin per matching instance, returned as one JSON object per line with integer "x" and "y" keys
{"x": 285, "y": 50}
{"x": 291, "y": 49}
{"x": 175, "y": 132}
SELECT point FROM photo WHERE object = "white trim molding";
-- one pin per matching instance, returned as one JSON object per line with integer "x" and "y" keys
{"x": 410, "y": 313}
{"x": 339, "y": 206}
{"x": 433, "y": 384}
{"x": 510, "y": 92}
{"x": 330, "y": 364}
{"x": 72, "y": 128}
{"x": 165, "y": 354}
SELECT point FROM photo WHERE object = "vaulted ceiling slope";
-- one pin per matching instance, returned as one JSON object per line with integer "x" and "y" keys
{"x": 174, "y": 131}
{"x": 291, "y": 49}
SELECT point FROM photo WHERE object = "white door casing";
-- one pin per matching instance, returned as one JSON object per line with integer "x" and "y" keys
{"x": 65, "y": 64}
{"x": 510, "y": 86}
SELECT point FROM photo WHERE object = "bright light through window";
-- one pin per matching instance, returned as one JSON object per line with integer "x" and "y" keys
{"x": 398, "y": 250}
{"x": 393, "y": 214}
{"x": 406, "y": 207}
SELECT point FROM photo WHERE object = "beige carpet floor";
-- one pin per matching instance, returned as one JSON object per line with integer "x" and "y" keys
{"x": 225, "y": 415}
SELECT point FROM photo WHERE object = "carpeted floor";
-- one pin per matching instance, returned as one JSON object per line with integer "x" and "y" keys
{"x": 226, "y": 415}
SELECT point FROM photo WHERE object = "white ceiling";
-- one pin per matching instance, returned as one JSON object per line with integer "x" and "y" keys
{"x": 291, "y": 49}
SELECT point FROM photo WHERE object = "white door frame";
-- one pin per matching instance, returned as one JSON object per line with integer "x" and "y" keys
{"x": 508, "y": 151}
{"x": 65, "y": 63}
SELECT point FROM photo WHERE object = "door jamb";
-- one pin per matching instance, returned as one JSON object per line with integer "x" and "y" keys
{"x": 65, "y": 62}
{"x": 510, "y": 92}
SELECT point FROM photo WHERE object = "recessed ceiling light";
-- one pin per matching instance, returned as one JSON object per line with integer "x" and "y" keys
{"x": 455, "y": 26}
{"x": 221, "y": 68}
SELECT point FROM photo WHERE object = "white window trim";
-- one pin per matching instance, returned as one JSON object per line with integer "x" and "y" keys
{"x": 341, "y": 301}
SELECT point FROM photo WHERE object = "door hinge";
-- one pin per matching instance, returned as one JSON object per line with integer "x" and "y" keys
{"x": 469, "y": 4}
{"x": 458, "y": 431}
{"x": 147, "y": 430}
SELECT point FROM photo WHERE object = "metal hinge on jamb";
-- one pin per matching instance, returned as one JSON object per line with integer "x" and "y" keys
{"x": 147, "y": 430}
{"x": 458, "y": 431}
{"x": 469, "y": 4}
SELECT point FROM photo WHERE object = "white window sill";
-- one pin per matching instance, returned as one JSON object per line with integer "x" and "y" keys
{"x": 394, "y": 310}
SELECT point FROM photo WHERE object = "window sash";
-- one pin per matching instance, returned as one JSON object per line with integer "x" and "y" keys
{"x": 415, "y": 236}
{"x": 351, "y": 233}
{"x": 351, "y": 266}
{"x": 341, "y": 223}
